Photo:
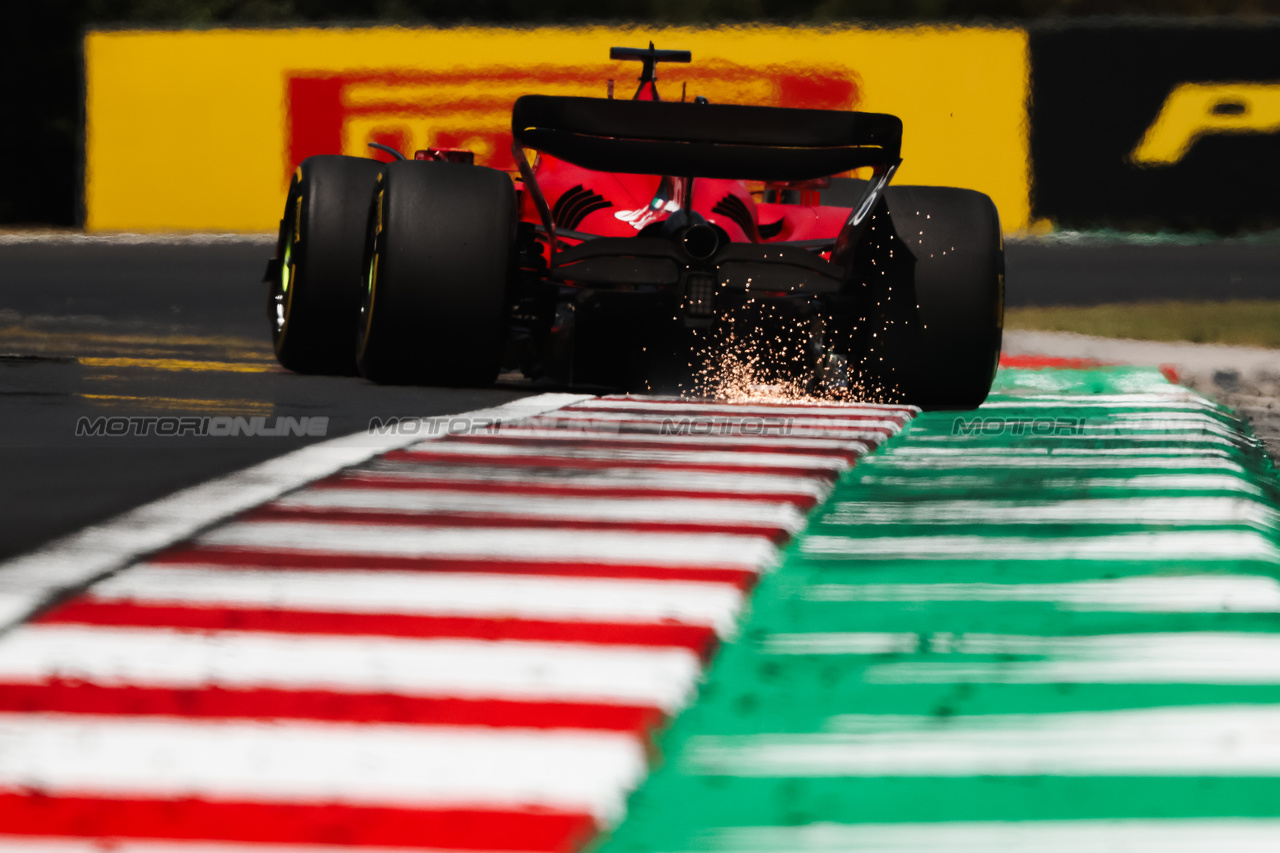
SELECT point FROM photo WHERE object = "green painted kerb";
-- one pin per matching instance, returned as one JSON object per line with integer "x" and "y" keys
{"x": 1047, "y": 623}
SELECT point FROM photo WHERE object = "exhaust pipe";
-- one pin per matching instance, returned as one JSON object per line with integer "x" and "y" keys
{"x": 700, "y": 241}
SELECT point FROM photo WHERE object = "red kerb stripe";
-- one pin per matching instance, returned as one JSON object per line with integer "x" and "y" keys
{"x": 40, "y": 814}
{"x": 332, "y": 515}
{"x": 535, "y": 461}
{"x": 1037, "y": 362}
{"x": 86, "y": 611}
{"x": 512, "y": 436}
{"x": 75, "y": 697}
{"x": 303, "y": 560}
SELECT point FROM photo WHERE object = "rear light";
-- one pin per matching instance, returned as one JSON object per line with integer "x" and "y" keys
{"x": 699, "y": 295}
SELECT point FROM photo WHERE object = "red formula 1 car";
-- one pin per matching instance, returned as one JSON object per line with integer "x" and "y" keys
{"x": 649, "y": 245}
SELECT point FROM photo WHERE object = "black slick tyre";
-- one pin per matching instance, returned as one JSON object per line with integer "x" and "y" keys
{"x": 937, "y": 309}
{"x": 315, "y": 284}
{"x": 441, "y": 252}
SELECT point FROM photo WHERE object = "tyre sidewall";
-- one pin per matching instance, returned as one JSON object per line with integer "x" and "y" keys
{"x": 319, "y": 332}
{"x": 954, "y": 235}
{"x": 445, "y": 257}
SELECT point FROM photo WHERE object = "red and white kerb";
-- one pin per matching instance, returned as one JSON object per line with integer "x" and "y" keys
{"x": 462, "y": 645}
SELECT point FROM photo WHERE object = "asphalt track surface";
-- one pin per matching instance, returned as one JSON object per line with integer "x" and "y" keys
{"x": 94, "y": 328}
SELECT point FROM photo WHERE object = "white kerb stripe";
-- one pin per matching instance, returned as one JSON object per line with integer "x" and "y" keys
{"x": 530, "y": 432}
{"x": 727, "y": 458}
{"x": 749, "y": 552}
{"x": 1145, "y": 594}
{"x": 1175, "y": 835}
{"x": 1175, "y": 397}
{"x": 1133, "y": 446}
{"x": 670, "y": 510}
{"x": 158, "y": 657}
{"x": 430, "y": 594}
{"x": 1218, "y": 460}
{"x": 1164, "y": 546}
{"x": 1122, "y": 481}
{"x": 841, "y": 643}
{"x": 727, "y": 484}
{"x": 1156, "y": 425}
{"x": 1217, "y": 740}
{"x": 296, "y": 762}
{"x": 1193, "y": 657}
{"x": 1188, "y": 510}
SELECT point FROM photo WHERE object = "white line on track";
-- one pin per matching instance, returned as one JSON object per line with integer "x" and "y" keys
{"x": 1144, "y": 594}
{"x": 29, "y": 581}
{"x": 1174, "y": 835}
{"x": 1176, "y": 398}
{"x": 842, "y": 643}
{"x": 1105, "y": 405}
{"x": 161, "y": 657}
{"x": 1182, "y": 432}
{"x": 584, "y": 772}
{"x": 1220, "y": 740}
{"x": 1192, "y": 510}
{"x": 1194, "y": 657}
{"x": 1152, "y": 445}
{"x": 426, "y": 593}
{"x": 1198, "y": 657}
{"x": 712, "y": 550}
{"x": 1167, "y": 546}
{"x": 1219, "y": 460}
{"x": 1104, "y": 437}
{"x": 1121, "y": 481}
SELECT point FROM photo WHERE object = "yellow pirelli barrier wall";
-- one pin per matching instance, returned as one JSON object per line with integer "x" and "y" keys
{"x": 199, "y": 131}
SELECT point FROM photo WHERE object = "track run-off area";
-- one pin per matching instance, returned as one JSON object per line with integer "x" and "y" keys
{"x": 646, "y": 624}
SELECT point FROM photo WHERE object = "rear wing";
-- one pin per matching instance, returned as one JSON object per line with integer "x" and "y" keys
{"x": 705, "y": 140}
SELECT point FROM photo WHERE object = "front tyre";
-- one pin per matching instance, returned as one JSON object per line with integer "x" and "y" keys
{"x": 440, "y": 255}
{"x": 315, "y": 283}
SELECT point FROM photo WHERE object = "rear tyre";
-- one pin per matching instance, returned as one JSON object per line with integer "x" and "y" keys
{"x": 315, "y": 286}
{"x": 939, "y": 306}
{"x": 441, "y": 253}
